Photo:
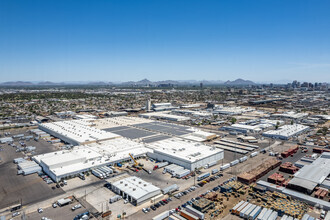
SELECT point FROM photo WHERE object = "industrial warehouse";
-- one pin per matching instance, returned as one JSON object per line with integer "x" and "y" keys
{"x": 135, "y": 190}
{"x": 286, "y": 131}
{"x": 76, "y": 132}
{"x": 98, "y": 147}
{"x": 188, "y": 154}
{"x": 310, "y": 176}
{"x": 69, "y": 163}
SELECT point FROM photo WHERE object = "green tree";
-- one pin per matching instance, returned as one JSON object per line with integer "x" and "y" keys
{"x": 277, "y": 125}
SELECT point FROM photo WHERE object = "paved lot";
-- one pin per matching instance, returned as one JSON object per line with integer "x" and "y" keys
{"x": 15, "y": 188}
{"x": 53, "y": 213}
{"x": 176, "y": 202}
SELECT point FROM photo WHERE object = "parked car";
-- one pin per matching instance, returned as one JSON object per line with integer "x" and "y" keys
{"x": 78, "y": 206}
{"x": 153, "y": 207}
{"x": 15, "y": 214}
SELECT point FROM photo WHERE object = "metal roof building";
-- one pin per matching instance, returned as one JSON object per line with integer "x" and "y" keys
{"x": 135, "y": 190}
{"x": 165, "y": 116}
{"x": 309, "y": 176}
{"x": 286, "y": 131}
{"x": 185, "y": 153}
{"x": 76, "y": 132}
{"x": 69, "y": 163}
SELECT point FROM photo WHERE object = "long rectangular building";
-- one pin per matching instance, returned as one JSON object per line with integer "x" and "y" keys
{"x": 69, "y": 163}
{"x": 286, "y": 131}
{"x": 135, "y": 190}
{"x": 185, "y": 153}
{"x": 76, "y": 132}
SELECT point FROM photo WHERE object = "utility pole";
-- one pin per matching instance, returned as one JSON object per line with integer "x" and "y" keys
{"x": 195, "y": 177}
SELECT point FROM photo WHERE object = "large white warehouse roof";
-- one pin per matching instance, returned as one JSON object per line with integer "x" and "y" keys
{"x": 286, "y": 131}
{"x": 135, "y": 187}
{"x": 185, "y": 150}
{"x": 76, "y": 131}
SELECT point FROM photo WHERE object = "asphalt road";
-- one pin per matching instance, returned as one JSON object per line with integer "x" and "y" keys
{"x": 176, "y": 202}
{"x": 53, "y": 213}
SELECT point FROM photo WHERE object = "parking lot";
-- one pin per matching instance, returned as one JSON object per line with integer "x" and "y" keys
{"x": 178, "y": 202}
{"x": 52, "y": 213}
{"x": 18, "y": 188}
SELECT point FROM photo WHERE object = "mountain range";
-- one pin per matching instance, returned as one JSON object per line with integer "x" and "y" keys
{"x": 143, "y": 82}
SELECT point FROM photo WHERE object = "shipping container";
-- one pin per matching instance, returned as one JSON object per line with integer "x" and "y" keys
{"x": 31, "y": 170}
{"x": 160, "y": 165}
{"x": 305, "y": 217}
{"x": 249, "y": 211}
{"x": 238, "y": 211}
{"x": 241, "y": 214}
{"x": 242, "y": 159}
{"x": 105, "y": 214}
{"x": 254, "y": 154}
{"x": 273, "y": 216}
{"x": 115, "y": 198}
{"x": 195, "y": 212}
{"x": 188, "y": 215}
{"x": 214, "y": 171}
{"x": 64, "y": 202}
{"x": 211, "y": 164}
{"x": 255, "y": 213}
{"x": 182, "y": 173}
{"x": 18, "y": 160}
{"x": 18, "y": 136}
{"x": 203, "y": 176}
{"x": 267, "y": 214}
{"x": 225, "y": 166}
{"x": 234, "y": 162}
{"x": 234, "y": 209}
{"x": 284, "y": 217}
{"x": 262, "y": 213}
{"x": 170, "y": 189}
{"x": 97, "y": 174}
{"x": 161, "y": 216}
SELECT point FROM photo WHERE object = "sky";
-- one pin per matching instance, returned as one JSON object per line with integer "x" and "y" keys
{"x": 124, "y": 40}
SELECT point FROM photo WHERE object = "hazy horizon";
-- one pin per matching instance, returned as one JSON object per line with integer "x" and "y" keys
{"x": 116, "y": 41}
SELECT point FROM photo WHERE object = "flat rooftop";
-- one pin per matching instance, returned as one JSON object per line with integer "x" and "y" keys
{"x": 183, "y": 149}
{"x": 90, "y": 155}
{"x": 80, "y": 131}
{"x": 309, "y": 176}
{"x": 287, "y": 130}
{"x": 135, "y": 187}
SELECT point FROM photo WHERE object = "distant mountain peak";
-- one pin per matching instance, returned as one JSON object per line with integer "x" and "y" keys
{"x": 239, "y": 81}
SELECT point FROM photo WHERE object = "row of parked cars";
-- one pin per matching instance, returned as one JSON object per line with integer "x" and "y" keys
{"x": 157, "y": 205}
{"x": 203, "y": 182}
{"x": 46, "y": 178}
